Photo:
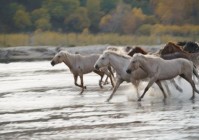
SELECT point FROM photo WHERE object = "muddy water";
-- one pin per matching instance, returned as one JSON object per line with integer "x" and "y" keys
{"x": 38, "y": 101}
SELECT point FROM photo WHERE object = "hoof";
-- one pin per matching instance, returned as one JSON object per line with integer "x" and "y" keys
{"x": 107, "y": 100}
{"x": 192, "y": 98}
{"x": 139, "y": 99}
{"x": 105, "y": 83}
{"x": 84, "y": 87}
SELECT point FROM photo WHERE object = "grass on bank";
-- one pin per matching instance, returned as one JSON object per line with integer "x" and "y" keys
{"x": 72, "y": 39}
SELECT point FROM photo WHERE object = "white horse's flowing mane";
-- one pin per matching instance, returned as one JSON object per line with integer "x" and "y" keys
{"x": 118, "y": 53}
{"x": 146, "y": 55}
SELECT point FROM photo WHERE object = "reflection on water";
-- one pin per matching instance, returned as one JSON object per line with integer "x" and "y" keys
{"x": 38, "y": 101}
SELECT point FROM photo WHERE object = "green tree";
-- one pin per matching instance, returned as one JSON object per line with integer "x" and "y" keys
{"x": 8, "y": 10}
{"x": 142, "y": 4}
{"x": 176, "y": 12}
{"x": 113, "y": 22}
{"x": 78, "y": 20}
{"x": 108, "y": 5}
{"x": 22, "y": 19}
{"x": 59, "y": 10}
{"x": 133, "y": 20}
{"x": 42, "y": 24}
{"x": 41, "y": 19}
{"x": 94, "y": 14}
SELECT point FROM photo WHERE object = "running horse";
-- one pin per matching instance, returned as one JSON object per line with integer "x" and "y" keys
{"x": 136, "y": 50}
{"x": 142, "y": 51}
{"x": 80, "y": 65}
{"x": 189, "y": 46}
{"x": 172, "y": 51}
{"x": 159, "y": 69}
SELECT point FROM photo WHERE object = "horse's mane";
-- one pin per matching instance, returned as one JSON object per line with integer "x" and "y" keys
{"x": 117, "y": 53}
{"x": 181, "y": 43}
{"x": 175, "y": 45}
{"x": 136, "y": 50}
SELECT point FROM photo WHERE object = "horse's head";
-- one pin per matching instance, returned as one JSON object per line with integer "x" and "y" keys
{"x": 134, "y": 63}
{"x": 102, "y": 61}
{"x": 58, "y": 58}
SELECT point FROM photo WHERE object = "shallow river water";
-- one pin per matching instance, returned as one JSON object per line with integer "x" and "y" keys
{"x": 38, "y": 101}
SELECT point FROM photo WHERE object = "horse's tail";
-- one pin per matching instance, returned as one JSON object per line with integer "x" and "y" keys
{"x": 195, "y": 72}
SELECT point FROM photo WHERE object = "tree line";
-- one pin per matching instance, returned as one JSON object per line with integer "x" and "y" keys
{"x": 98, "y": 16}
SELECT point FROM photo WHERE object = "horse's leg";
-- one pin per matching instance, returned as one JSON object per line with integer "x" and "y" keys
{"x": 75, "y": 80}
{"x": 100, "y": 81}
{"x": 118, "y": 82}
{"x": 176, "y": 85}
{"x": 111, "y": 79}
{"x": 161, "y": 88}
{"x": 101, "y": 74}
{"x": 189, "y": 79}
{"x": 147, "y": 87}
{"x": 110, "y": 75}
{"x": 167, "y": 88}
{"x": 106, "y": 80}
{"x": 110, "y": 70}
{"x": 82, "y": 84}
{"x": 136, "y": 84}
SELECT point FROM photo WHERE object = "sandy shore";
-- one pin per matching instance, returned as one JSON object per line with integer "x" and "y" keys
{"x": 36, "y": 53}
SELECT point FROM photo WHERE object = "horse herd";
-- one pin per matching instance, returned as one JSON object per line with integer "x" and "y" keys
{"x": 134, "y": 64}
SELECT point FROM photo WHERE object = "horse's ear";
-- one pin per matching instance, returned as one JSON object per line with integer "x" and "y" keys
{"x": 58, "y": 49}
{"x": 170, "y": 43}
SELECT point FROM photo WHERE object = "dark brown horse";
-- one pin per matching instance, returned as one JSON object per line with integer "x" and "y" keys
{"x": 136, "y": 50}
{"x": 172, "y": 51}
{"x": 189, "y": 46}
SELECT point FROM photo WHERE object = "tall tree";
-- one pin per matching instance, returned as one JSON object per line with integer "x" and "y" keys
{"x": 77, "y": 21}
{"x": 41, "y": 19}
{"x": 176, "y": 12}
{"x": 59, "y": 10}
{"x": 133, "y": 20}
{"x": 113, "y": 22}
{"x": 94, "y": 14}
{"x": 22, "y": 20}
{"x": 108, "y": 5}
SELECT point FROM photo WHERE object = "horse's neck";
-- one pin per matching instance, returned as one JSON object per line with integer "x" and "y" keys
{"x": 118, "y": 62}
{"x": 140, "y": 51}
{"x": 68, "y": 61}
{"x": 145, "y": 63}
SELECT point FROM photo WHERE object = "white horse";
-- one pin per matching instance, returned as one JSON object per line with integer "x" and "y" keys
{"x": 120, "y": 63}
{"x": 159, "y": 69}
{"x": 80, "y": 65}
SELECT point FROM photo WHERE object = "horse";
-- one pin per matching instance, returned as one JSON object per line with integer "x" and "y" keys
{"x": 159, "y": 69}
{"x": 142, "y": 51}
{"x": 118, "y": 49}
{"x": 80, "y": 65}
{"x": 136, "y": 50}
{"x": 120, "y": 62}
{"x": 171, "y": 51}
{"x": 189, "y": 46}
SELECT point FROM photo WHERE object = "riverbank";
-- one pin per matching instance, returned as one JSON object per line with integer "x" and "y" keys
{"x": 38, "y": 53}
